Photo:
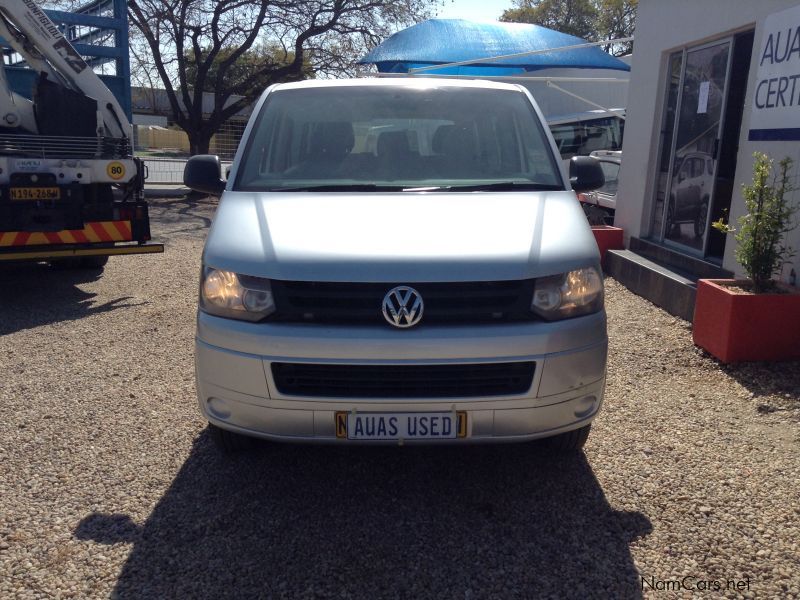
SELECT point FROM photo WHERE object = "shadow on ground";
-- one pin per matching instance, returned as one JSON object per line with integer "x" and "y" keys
{"x": 775, "y": 386}
{"x": 300, "y": 521}
{"x": 35, "y": 294}
{"x": 188, "y": 215}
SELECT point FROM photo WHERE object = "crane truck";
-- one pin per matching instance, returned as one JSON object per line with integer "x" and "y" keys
{"x": 71, "y": 191}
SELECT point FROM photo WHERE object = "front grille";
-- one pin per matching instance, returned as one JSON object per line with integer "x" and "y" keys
{"x": 468, "y": 302}
{"x": 406, "y": 381}
{"x": 53, "y": 146}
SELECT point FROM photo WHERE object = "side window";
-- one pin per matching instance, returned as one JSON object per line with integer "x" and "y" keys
{"x": 584, "y": 137}
{"x": 568, "y": 139}
{"x": 699, "y": 167}
{"x": 611, "y": 173}
{"x": 610, "y": 170}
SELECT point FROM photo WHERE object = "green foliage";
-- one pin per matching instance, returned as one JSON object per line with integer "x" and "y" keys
{"x": 616, "y": 19}
{"x": 592, "y": 20}
{"x": 250, "y": 73}
{"x": 770, "y": 216}
{"x": 575, "y": 17}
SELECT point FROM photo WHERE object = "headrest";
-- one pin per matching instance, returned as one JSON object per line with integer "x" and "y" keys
{"x": 459, "y": 141}
{"x": 439, "y": 137}
{"x": 393, "y": 143}
{"x": 334, "y": 138}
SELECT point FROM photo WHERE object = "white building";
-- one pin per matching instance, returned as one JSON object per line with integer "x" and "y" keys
{"x": 712, "y": 82}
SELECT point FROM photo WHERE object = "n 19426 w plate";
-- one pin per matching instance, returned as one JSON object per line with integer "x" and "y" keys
{"x": 401, "y": 426}
{"x": 35, "y": 193}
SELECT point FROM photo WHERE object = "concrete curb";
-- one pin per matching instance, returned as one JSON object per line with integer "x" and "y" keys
{"x": 165, "y": 191}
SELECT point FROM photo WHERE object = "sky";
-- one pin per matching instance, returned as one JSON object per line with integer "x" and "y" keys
{"x": 473, "y": 10}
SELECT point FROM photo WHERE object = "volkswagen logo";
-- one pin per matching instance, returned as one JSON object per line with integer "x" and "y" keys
{"x": 403, "y": 306}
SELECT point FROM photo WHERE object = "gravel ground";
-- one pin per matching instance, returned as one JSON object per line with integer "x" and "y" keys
{"x": 110, "y": 486}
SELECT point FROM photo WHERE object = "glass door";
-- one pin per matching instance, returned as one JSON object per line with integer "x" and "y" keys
{"x": 690, "y": 145}
{"x": 674, "y": 75}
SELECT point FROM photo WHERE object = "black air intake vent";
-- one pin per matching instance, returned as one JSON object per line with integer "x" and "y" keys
{"x": 403, "y": 381}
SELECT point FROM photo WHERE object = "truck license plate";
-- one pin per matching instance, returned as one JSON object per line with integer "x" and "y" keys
{"x": 35, "y": 193}
{"x": 401, "y": 426}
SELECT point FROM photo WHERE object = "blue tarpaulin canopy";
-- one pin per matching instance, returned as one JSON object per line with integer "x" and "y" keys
{"x": 444, "y": 41}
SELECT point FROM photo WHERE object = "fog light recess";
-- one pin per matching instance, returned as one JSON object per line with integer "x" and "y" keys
{"x": 218, "y": 408}
{"x": 585, "y": 406}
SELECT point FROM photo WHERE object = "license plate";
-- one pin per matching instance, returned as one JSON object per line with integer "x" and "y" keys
{"x": 401, "y": 426}
{"x": 36, "y": 193}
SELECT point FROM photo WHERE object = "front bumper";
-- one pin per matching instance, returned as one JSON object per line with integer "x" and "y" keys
{"x": 236, "y": 390}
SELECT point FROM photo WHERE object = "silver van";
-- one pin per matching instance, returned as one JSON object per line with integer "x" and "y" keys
{"x": 399, "y": 261}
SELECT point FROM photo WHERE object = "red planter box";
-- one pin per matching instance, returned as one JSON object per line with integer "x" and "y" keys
{"x": 746, "y": 327}
{"x": 607, "y": 238}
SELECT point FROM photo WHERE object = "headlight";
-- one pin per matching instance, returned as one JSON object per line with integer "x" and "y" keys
{"x": 227, "y": 294}
{"x": 572, "y": 294}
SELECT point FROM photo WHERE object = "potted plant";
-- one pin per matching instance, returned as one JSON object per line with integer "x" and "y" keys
{"x": 757, "y": 318}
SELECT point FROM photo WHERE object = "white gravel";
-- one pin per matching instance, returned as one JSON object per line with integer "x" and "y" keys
{"x": 109, "y": 485}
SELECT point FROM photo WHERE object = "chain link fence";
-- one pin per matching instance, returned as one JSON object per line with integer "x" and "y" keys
{"x": 170, "y": 170}
{"x": 165, "y": 150}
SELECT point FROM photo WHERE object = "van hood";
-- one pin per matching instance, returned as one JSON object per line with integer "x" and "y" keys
{"x": 400, "y": 237}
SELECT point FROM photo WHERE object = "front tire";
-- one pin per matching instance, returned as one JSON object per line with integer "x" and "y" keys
{"x": 570, "y": 441}
{"x": 670, "y": 225}
{"x": 700, "y": 220}
{"x": 228, "y": 441}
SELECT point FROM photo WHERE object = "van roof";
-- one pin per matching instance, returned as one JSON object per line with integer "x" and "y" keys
{"x": 410, "y": 82}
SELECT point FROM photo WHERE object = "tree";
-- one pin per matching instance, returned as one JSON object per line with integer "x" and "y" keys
{"x": 251, "y": 61}
{"x": 575, "y": 17}
{"x": 592, "y": 20}
{"x": 234, "y": 48}
{"x": 616, "y": 19}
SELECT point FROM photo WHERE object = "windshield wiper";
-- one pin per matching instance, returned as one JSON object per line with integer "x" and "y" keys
{"x": 339, "y": 187}
{"x": 505, "y": 186}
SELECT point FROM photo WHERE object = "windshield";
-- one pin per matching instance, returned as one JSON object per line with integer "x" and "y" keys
{"x": 371, "y": 137}
{"x": 581, "y": 138}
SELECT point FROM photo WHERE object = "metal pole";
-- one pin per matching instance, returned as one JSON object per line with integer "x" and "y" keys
{"x": 122, "y": 41}
{"x": 619, "y": 112}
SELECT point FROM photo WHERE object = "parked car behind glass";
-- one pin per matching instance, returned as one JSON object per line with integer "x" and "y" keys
{"x": 691, "y": 190}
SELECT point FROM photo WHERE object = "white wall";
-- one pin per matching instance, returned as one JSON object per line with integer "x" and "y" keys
{"x": 661, "y": 28}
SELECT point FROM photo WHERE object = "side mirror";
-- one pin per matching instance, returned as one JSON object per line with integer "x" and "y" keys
{"x": 203, "y": 173}
{"x": 585, "y": 174}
